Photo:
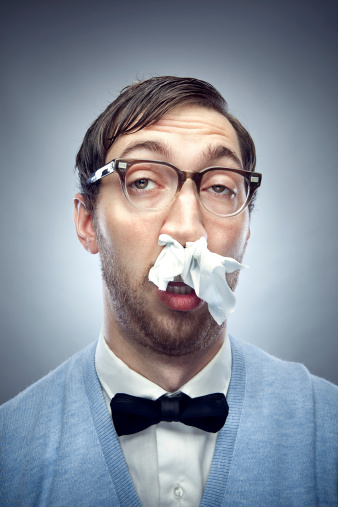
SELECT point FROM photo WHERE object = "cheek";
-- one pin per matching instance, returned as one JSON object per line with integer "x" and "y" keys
{"x": 131, "y": 235}
{"x": 228, "y": 237}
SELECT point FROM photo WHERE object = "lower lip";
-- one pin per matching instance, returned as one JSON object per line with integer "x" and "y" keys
{"x": 179, "y": 302}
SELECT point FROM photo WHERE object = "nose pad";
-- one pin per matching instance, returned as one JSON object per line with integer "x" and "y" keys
{"x": 184, "y": 220}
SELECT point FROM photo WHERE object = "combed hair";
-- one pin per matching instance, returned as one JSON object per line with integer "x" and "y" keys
{"x": 142, "y": 104}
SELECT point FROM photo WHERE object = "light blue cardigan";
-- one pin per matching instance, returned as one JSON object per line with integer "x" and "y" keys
{"x": 279, "y": 445}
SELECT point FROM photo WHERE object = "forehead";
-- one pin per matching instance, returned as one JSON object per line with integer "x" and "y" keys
{"x": 188, "y": 126}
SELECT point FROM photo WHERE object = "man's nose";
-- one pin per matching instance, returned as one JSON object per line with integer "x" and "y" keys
{"x": 185, "y": 218}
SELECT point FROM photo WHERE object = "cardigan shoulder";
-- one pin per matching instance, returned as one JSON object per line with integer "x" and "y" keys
{"x": 50, "y": 452}
{"x": 281, "y": 376}
{"x": 286, "y": 447}
{"x": 41, "y": 401}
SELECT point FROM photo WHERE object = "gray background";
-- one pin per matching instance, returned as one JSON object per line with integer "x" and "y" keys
{"x": 63, "y": 62}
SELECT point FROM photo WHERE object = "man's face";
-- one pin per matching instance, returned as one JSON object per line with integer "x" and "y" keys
{"x": 190, "y": 137}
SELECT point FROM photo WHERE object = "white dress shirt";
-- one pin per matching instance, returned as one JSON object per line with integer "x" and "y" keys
{"x": 169, "y": 462}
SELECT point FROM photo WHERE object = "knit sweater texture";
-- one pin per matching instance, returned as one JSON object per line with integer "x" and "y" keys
{"x": 279, "y": 445}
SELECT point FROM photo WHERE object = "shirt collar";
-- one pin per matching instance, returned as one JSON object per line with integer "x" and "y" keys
{"x": 116, "y": 377}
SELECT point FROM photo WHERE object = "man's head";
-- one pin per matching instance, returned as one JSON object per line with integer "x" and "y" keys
{"x": 144, "y": 103}
{"x": 191, "y": 129}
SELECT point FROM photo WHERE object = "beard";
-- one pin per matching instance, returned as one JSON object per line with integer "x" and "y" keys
{"x": 172, "y": 334}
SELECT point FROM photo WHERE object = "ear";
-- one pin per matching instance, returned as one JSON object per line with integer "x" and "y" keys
{"x": 84, "y": 225}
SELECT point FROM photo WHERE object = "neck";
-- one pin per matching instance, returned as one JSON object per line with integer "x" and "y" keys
{"x": 168, "y": 372}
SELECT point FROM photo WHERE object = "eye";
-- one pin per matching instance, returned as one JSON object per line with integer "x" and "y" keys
{"x": 219, "y": 189}
{"x": 143, "y": 184}
{"x": 219, "y": 184}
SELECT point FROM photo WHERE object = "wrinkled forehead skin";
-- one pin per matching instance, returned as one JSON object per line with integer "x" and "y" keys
{"x": 187, "y": 127}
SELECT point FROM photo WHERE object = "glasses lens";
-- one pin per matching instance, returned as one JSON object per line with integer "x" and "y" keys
{"x": 223, "y": 192}
{"x": 150, "y": 185}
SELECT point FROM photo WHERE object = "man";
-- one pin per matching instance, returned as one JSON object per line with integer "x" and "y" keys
{"x": 164, "y": 170}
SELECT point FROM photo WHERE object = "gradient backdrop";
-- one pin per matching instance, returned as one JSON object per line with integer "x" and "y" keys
{"x": 275, "y": 62}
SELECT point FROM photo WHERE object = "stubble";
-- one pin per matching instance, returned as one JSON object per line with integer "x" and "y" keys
{"x": 173, "y": 333}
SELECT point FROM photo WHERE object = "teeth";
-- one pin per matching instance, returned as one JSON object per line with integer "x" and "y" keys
{"x": 185, "y": 289}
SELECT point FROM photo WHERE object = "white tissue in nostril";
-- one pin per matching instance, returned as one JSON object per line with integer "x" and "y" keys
{"x": 199, "y": 268}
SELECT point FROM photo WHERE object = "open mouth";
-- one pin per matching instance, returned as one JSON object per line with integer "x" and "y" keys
{"x": 179, "y": 288}
{"x": 179, "y": 296}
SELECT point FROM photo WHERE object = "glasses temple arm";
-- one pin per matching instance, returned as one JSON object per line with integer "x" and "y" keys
{"x": 102, "y": 172}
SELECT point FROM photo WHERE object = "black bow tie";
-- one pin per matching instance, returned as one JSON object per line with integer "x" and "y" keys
{"x": 132, "y": 414}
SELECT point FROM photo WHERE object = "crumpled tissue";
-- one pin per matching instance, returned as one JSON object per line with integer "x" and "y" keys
{"x": 202, "y": 270}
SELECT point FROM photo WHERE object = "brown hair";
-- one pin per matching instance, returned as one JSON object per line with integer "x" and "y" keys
{"x": 144, "y": 103}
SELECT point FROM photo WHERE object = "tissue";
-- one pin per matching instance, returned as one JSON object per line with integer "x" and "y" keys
{"x": 202, "y": 270}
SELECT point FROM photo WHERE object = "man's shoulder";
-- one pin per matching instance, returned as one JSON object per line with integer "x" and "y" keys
{"x": 51, "y": 436}
{"x": 50, "y": 388}
{"x": 283, "y": 424}
{"x": 282, "y": 377}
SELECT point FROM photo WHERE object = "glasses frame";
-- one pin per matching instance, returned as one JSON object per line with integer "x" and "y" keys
{"x": 121, "y": 166}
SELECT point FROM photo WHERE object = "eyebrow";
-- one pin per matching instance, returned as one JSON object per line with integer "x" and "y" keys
{"x": 211, "y": 153}
{"x": 217, "y": 152}
{"x": 155, "y": 146}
